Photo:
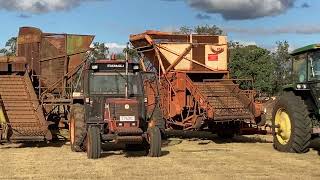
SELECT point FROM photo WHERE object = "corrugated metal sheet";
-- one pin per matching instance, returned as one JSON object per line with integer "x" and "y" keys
{"x": 48, "y": 53}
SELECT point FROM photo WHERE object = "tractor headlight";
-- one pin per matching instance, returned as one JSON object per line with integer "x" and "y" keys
{"x": 136, "y": 67}
{"x": 304, "y": 86}
{"x": 299, "y": 86}
{"x": 87, "y": 100}
{"x": 94, "y": 67}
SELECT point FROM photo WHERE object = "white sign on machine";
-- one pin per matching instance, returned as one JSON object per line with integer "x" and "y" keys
{"x": 127, "y": 118}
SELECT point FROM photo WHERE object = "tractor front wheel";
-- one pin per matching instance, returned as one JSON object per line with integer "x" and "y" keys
{"x": 154, "y": 139}
{"x": 77, "y": 128}
{"x": 291, "y": 124}
{"x": 93, "y": 142}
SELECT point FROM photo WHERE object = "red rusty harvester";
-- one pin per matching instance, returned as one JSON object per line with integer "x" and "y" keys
{"x": 196, "y": 91}
{"x": 36, "y": 85}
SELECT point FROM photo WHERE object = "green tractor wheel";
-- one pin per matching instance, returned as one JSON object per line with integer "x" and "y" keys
{"x": 291, "y": 124}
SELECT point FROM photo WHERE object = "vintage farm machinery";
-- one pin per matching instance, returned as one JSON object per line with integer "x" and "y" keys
{"x": 36, "y": 86}
{"x": 50, "y": 84}
{"x": 195, "y": 89}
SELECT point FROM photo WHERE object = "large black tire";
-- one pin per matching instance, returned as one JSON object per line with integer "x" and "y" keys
{"x": 300, "y": 123}
{"x": 154, "y": 137}
{"x": 93, "y": 142}
{"x": 77, "y": 128}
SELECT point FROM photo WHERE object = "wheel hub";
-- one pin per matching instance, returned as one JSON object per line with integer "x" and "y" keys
{"x": 283, "y": 126}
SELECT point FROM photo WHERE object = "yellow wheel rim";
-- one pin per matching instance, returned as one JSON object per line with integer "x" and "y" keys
{"x": 283, "y": 126}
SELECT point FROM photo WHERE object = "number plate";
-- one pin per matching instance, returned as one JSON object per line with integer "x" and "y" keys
{"x": 127, "y": 118}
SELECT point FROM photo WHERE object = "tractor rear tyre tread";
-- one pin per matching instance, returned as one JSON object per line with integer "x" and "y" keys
{"x": 93, "y": 142}
{"x": 154, "y": 141}
{"x": 77, "y": 122}
{"x": 301, "y": 124}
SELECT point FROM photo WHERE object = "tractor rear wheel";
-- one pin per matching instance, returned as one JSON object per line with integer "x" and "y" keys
{"x": 77, "y": 128}
{"x": 291, "y": 124}
{"x": 93, "y": 142}
{"x": 154, "y": 138}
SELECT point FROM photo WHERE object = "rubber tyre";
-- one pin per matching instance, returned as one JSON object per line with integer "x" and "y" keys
{"x": 77, "y": 128}
{"x": 93, "y": 143}
{"x": 301, "y": 124}
{"x": 154, "y": 137}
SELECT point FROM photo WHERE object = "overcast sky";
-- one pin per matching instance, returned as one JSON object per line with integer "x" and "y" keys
{"x": 261, "y": 22}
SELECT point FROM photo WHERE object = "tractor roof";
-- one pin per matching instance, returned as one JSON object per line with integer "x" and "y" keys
{"x": 306, "y": 49}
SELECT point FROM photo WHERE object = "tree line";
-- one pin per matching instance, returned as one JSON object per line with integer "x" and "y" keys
{"x": 269, "y": 70}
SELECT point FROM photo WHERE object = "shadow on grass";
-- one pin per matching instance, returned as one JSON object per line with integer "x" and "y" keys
{"x": 111, "y": 149}
{"x": 203, "y": 135}
{"x": 42, "y": 144}
{"x": 315, "y": 144}
{"x": 127, "y": 151}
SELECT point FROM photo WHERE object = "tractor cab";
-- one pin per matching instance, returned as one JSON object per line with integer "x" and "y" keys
{"x": 306, "y": 66}
{"x": 306, "y": 75}
{"x": 114, "y": 94}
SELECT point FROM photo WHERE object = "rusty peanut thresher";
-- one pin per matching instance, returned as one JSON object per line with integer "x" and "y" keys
{"x": 36, "y": 85}
{"x": 196, "y": 91}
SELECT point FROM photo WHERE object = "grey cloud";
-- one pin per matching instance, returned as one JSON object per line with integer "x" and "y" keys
{"x": 305, "y": 5}
{"x": 40, "y": 6}
{"x": 302, "y": 29}
{"x": 241, "y": 9}
{"x": 203, "y": 16}
{"x": 24, "y": 16}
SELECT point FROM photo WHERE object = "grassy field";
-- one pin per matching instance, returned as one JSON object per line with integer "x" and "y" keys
{"x": 244, "y": 157}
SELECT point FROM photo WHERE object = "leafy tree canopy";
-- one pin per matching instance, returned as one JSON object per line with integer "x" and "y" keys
{"x": 201, "y": 29}
{"x": 253, "y": 62}
{"x": 11, "y": 47}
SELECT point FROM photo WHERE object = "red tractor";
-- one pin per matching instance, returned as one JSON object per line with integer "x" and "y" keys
{"x": 110, "y": 105}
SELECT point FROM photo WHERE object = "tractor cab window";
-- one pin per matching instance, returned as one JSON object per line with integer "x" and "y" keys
{"x": 314, "y": 66}
{"x": 114, "y": 84}
{"x": 300, "y": 68}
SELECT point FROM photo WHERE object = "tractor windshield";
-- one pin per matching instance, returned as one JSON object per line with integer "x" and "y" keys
{"x": 314, "y": 66}
{"x": 300, "y": 68}
{"x": 114, "y": 84}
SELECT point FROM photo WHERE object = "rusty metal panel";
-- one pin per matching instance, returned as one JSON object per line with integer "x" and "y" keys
{"x": 12, "y": 64}
{"x": 51, "y": 71}
{"x": 4, "y": 67}
{"x": 49, "y": 55}
{"x": 52, "y": 59}
{"x": 198, "y": 54}
{"x": 76, "y": 46}
{"x": 18, "y": 67}
{"x": 29, "y": 46}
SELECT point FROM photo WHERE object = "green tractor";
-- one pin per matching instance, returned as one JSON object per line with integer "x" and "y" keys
{"x": 296, "y": 114}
